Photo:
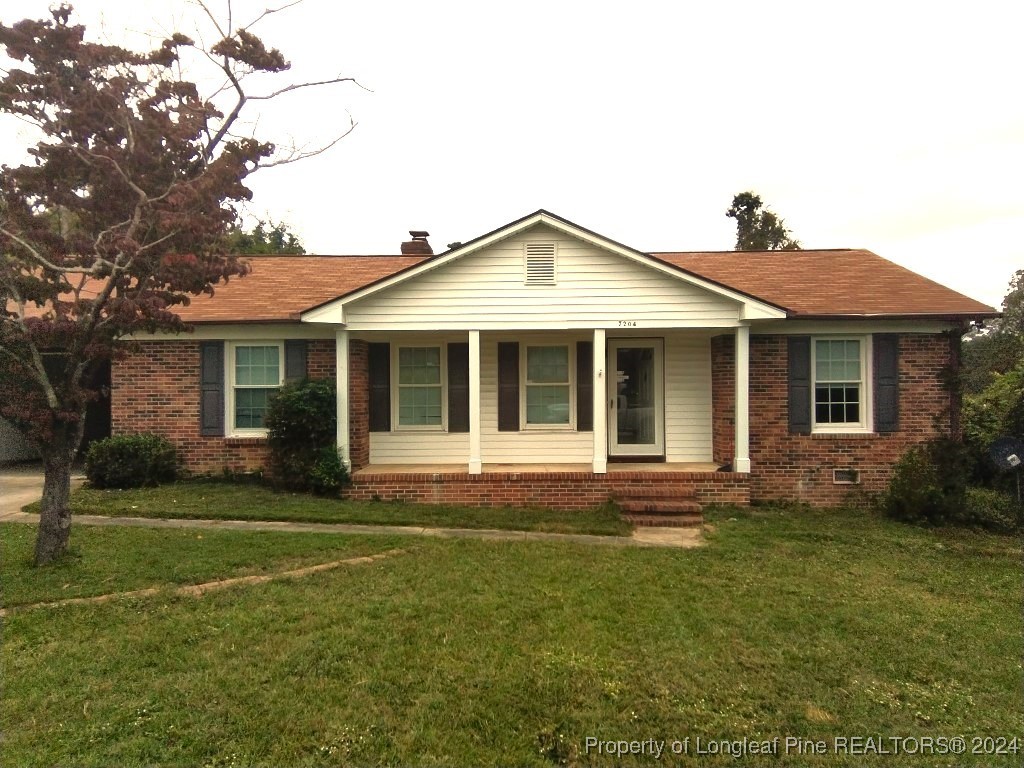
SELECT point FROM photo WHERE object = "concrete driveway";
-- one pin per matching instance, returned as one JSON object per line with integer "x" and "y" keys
{"x": 22, "y": 484}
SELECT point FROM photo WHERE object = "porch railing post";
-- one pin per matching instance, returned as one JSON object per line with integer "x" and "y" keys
{"x": 741, "y": 460}
{"x": 600, "y": 398}
{"x": 475, "y": 458}
{"x": 342, "y": 368}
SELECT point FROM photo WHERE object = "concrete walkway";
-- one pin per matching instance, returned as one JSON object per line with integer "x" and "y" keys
{"x": 20, "y": 486}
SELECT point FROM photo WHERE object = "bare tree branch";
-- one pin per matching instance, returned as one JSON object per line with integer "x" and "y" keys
{"x": 312, "y": 153}
{"x": 269, "y": 11}
{"x": 296, "y": 86}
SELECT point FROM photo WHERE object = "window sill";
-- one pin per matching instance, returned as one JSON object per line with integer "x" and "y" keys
{"x": 850, "y": 435}
{"x": 245, "y": 440}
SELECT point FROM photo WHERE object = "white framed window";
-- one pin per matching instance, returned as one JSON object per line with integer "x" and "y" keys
{"x": 255, "y": 374}
{"x": 841, "y": 387}
{"x": 547, "y": 385}
{"x": 539, "y": 263}
{"x": 419, "y": 401}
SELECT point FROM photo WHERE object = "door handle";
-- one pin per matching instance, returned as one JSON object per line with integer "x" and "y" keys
{"x": 611, "y": 404}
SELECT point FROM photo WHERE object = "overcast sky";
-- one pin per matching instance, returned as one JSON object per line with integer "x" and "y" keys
{"x": 893, "y": 126}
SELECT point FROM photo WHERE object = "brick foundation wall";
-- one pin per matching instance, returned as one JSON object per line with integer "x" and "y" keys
{"x": 723, "y": 398}
{"x": 561, "y": 490}
{"x": 156, "y": 389}
{"x": 799, "y": 467}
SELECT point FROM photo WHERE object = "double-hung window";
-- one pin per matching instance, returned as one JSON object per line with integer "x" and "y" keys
{"x": 257, "y": 372}
{"x": 840, "y": 384}
{"x": 420, "y": 386}
{"x": 548, "y": 400}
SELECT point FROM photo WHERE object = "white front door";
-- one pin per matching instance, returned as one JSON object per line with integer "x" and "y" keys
{"x": 636, "y": 397}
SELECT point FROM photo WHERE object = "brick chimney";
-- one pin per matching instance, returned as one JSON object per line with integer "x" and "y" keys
{"x": 418, "y": 246}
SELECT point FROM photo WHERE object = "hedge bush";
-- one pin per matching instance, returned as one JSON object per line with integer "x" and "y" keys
{"x": 929, "y": 483}
{"x": 992, "y": 509}
{"x": 131, "y": 461}
{"x": 302, "y": 429}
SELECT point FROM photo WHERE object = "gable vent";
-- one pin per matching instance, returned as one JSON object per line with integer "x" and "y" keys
{"x": 540, "y": 263}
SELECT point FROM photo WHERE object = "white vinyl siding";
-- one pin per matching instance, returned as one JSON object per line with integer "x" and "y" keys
{"x": 536, "y": 445}
{"x": 413, "y": 447}
{"x": 687, "y": 412}
{"x": 595, "y": 289}
{"x": 687, "y": 397}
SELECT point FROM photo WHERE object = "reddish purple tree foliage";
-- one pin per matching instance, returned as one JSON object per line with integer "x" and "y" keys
{"x": 119, "y": 217}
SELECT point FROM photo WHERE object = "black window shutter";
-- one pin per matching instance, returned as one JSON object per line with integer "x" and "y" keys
{"x": 585, "y": 386}
{"x": 294, "y": 359}
{"x": 458, "y": 387}
{"x": 211, "y": 388}
{"x": 800, "y": 384}
{"x": 379, "y": 365}
{"x": 887, "y": 381}
{"x": 508, "y": 386}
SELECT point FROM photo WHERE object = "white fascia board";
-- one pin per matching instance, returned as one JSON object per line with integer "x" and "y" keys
{"x": 750, "y": 308}
{"x": 332, "y": 313}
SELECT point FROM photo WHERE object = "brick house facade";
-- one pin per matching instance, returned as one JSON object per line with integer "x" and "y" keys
{"x": 156, "y": 389}
{"x": 544, "y": 364}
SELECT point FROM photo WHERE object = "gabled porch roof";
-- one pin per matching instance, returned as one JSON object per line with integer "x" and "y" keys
{"x": 751, "y": 307}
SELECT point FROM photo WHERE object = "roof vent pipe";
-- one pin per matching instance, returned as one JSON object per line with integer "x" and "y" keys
{"x": 418, "y": 246}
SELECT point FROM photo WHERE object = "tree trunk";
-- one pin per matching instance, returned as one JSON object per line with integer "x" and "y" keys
{"x": 55, "y": 513}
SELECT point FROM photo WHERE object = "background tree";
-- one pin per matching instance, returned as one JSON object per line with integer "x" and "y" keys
{"x": 757, "y": 228}
{"x": 264, "y": 238}
{"x": 120, "y": 215}
{"x": 999, "y": 347}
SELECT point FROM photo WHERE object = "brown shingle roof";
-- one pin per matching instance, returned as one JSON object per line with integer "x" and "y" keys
{"x": 806, "y": 283}
{"x": 280, "y": 287}
{"x": 828, "y": 283}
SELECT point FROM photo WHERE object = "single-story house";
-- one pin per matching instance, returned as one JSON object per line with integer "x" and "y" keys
{"x": 544, "y": 363}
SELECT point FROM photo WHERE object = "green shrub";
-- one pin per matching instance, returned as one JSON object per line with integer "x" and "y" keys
{"x": 131, "y": 461}
{"x": 302, "y": 425}
{"x": 992, "y": 509}
{"x": 328, "y": 474}
{"x": 929, "y": 483}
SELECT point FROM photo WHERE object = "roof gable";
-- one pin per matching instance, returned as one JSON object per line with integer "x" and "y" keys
{"x": 752, "y": 307}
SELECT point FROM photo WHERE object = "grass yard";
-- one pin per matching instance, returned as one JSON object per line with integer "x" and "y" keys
{"x": 789, "y": 623}
{"x": 230, "y": 501}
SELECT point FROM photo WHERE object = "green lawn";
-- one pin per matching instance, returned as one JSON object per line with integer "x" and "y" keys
{"x": 788, "y": 623}
{"x": 228, "y": 501}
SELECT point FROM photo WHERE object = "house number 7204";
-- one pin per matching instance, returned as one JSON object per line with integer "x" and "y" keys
{"x": 627, "y": 323}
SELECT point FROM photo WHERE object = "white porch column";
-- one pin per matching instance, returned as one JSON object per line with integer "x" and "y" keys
{"x": 342, "y": 366}
{"x": 475, "y": 458}
{"x": 741, "y": 458}
{"x": 600, "y": 398}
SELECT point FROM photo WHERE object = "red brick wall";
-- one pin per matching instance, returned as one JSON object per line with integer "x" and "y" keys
{"x": 156, "y": 389}
{"x": 563, "y": 490}
{"x": 799, "y": 467}
{"x": 723, "y": 398}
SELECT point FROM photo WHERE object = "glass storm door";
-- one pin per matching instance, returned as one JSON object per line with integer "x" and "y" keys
{"x": 636, "y": 399}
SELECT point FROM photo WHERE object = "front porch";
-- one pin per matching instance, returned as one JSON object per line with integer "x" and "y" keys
{"x": 560, "y": 486}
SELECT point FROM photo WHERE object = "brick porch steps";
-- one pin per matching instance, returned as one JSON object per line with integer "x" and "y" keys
{"x": 669, "y": 506}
